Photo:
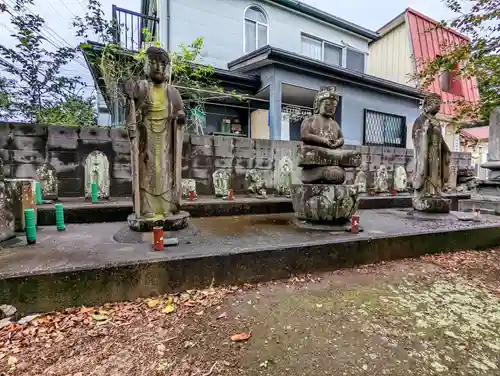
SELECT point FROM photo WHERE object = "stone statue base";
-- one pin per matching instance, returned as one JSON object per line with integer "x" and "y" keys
{"x": 173, "y": 222}
{"x": 325, "y": 204}
{"x": 321, "y": 226}
{"x": 428, "y": 204}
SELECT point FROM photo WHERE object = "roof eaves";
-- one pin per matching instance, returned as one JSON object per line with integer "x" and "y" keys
{"x": 396, "y": 21}
{"x": 327, "y": 17}
{"x": 353, "y": 76}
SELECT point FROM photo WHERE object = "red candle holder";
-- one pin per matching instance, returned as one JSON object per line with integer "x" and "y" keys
{"x": 191, "y": 195}
{"x": 355, "y": 224}
{"x": 158, "y": 243}
{"x": 230, "y": 195}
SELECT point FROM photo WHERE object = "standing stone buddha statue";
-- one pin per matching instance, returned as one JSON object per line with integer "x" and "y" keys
{"x": 432, "y": 159}
{"x": 158, "y": 111}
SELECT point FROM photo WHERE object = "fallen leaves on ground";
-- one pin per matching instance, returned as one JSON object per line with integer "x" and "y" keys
{"x": 241, "y": 337}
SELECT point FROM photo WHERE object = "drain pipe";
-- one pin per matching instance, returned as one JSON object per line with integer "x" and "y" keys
{"x": 163, "y": 14}
{"x": 168, "y": 25}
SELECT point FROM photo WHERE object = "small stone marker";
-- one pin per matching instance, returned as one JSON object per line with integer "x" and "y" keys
{"x": 169, "y": 242}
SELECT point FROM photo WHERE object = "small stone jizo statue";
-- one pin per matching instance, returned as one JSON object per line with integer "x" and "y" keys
{"x": 156, "y": 125}
{"x": 256, "y": 184}
{"x": 432, "y": 160}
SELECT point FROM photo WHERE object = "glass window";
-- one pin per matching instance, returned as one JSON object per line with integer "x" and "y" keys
{"x": 312, "y": 48}
{"x": 262, "y": 37}
{"x": 333, "y": 54}
{"x": 250, "y": 36}
{"x": 355, "y": 60}
{"x": 256, "y": 15}
{"x": 384, "y": 129}
{"x": 256, "y": 29}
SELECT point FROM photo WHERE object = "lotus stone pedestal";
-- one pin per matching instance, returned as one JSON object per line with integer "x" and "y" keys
{"x": 324, "y": 206}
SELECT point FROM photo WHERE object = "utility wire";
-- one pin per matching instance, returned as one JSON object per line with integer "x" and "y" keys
{"x": 54, "y": 35}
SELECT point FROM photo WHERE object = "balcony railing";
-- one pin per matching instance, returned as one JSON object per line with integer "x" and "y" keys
{"x": 129, "y": 28}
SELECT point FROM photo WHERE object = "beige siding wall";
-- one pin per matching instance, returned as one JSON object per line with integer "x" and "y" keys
{"x": 390, "y": 56}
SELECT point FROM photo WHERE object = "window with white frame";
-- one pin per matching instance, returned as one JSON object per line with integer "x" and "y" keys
{"x": 321, "y": 50}
{"x": 355, "y": 60}
{"x": 256, "y": 29}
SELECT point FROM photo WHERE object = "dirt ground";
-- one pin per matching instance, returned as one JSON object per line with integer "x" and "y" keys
{"x": 437, "y": 315}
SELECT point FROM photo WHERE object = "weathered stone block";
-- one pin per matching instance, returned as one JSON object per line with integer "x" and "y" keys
{"x": 95, "y": 134}
{"x": 20, "y": 129}
{"x": 27, "y": 156}
{"x": 23, "y": 171}
{"x": 244, "y": 152}
{"x": 223, "y": 151}
{"x": 225, "y": 163}
{"x": 202, "y": 140}
{"x": 201, "y": 174}
{"x": 201, "y": 151}
{"x": 243, "y": 142}
{"x": 121, "y": 147}
{"x": 7, "y": 220}
{"x": 20, "y": 196}
{"x": 263, "y": 144}
{"x": 263, "y": 163}
{"x": 244, "y": 163}
{"x": 122, "y": 171}
{"x": 28, "y": 143}
{"x": 223, "y": 141}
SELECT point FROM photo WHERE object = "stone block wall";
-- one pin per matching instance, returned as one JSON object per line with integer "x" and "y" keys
{"x": 25, "y": 147}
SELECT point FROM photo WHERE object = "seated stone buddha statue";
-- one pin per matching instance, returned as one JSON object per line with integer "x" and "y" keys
{"x": 320, "y": 156}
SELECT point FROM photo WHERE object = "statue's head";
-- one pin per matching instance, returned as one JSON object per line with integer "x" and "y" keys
{"x": 157, "y": 64}
{"x": 432, "y": 103}
{"x": 326, "y": 101}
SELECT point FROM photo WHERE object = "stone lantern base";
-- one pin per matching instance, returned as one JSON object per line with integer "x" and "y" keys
{"x": 429, "y": 204}
{"x": 173, "y": 222}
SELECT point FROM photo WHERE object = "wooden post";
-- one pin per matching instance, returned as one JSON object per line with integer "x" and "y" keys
{"x": 134, "y": 153}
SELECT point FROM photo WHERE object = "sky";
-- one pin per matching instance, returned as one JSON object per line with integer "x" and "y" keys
{"x": 59, "y": 13}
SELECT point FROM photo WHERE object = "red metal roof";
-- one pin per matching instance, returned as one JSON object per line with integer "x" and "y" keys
{"x": 428, "y": 42}
{"x": 479, "y": 133}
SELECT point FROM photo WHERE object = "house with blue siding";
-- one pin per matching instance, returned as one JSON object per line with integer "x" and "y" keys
{"x": 284, "y": 51}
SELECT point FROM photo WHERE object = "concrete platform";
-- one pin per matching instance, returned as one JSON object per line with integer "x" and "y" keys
{"x": 85, "y": 265}
{"x": 491, "y": 207}
{"x": 117, "y": 210}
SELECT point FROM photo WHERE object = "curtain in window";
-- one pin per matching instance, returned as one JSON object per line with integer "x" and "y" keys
{"x": 311, "y": 48}
{"x": 250, "y": 36}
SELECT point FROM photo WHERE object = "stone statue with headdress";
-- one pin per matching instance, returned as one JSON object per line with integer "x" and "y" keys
{"x": 155, "y": 121}
{"x": 323, "y": 198}
{"x": 432, "y": 159}
{"x": 320, "y": 157}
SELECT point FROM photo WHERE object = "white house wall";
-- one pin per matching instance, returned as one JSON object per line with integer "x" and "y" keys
{"x": 221, "y": 23}
{"x": 390, "y": 56}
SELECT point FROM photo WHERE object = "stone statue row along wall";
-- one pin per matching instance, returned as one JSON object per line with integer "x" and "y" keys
{"x": 72, "y": 154}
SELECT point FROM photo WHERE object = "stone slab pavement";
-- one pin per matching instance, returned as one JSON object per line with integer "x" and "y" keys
{"x": 87, "y": 246}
